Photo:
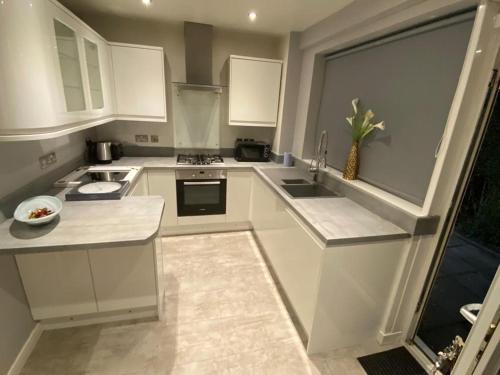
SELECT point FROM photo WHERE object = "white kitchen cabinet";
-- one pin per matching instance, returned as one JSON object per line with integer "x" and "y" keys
{"x": 124, "y": 277}
{"x": 55, "y": 72}
{"x": 239, "y": 187}
{"x": 254, "y": 90}
{"x": 139, "y": 77}
{"x": 292, "y": 250}
{"x": 57, "y": 284}
{"x": 140, "y": 188}
{"x": 162, "y": 183}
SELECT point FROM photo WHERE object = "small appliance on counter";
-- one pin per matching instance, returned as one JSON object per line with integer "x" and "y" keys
{"x": 98, "y": 183}
{"x": 250, "y": 150}
{"x": 103, "y": 152}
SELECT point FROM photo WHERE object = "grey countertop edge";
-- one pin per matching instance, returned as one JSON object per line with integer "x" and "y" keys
{"x": 364, "y": 240}
{"x": 329, "y": 242}
{"x": 85, "y": 246}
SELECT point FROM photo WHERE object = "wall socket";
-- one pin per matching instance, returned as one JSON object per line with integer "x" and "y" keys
{"x": 154, "y": 138}
{"x": 47, "y": 160}
{"x": 141, "y": 138}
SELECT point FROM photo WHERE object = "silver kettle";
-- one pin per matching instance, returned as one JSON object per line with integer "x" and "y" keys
{"x": 103, "y": 152}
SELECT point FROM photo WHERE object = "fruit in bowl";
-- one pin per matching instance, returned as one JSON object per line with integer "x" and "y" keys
{"x": 38, "y": 210}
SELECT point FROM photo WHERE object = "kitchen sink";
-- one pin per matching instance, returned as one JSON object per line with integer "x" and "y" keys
{"x": 308, "y": 191}
{"x": 295, "y": 181}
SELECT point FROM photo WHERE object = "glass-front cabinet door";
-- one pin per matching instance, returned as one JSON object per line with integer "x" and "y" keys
{"x": 69, "y": 63}
{"x": 94, "y": 74}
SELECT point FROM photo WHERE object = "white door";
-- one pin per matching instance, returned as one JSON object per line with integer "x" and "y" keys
{"x": 480, "y": 354}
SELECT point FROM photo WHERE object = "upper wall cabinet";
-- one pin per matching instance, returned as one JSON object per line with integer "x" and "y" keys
{"x": 139, "y": 77}
{"x": 254, "y": 90}
{"x": 56, "y": 74}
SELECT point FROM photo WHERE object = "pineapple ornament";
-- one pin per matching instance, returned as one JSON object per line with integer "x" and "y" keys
{"x": 361, "y": 126}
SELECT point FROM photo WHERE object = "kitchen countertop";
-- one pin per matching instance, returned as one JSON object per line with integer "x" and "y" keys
{"x": 87, "y": 224}
{"x": 152, "y": 162}
{"x": 335, "y": 221}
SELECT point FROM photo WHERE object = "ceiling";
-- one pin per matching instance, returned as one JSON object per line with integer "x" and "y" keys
{"x": 273, "y": 16}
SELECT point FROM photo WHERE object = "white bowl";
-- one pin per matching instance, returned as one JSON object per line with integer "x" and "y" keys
{"x": 24, "y": 209}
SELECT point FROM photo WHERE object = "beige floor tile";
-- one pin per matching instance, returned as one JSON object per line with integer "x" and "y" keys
{"x": 222, "y": 316}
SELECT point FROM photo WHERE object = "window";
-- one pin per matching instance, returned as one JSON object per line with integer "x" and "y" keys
{"x": 409, "y": 81}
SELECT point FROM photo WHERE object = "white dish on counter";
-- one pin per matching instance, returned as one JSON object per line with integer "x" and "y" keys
{"x": 25, "y": 208}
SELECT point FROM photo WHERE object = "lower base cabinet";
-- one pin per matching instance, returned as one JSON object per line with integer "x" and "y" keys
{"x": 123, "y": 277}
{"x": 77, "y": 282}
{"x": 338, "y": 293}
{"x": 292, "y": 251}
{"x": 57, "y": 283}
{"x": 162, "y": 183}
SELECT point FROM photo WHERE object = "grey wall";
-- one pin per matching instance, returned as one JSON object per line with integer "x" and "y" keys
{"x": 409, "y": 83}
{"x": 15, "y": 317}
{"x": 21, "y": 177}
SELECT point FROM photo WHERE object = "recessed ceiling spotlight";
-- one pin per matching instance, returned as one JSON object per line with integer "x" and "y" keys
{"x": 252, "y": 16}
{"x": 147, "y": 2}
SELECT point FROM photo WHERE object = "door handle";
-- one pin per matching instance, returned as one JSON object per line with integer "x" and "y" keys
{"x": 188, "y": 183}
{"x": 467, "y": 311}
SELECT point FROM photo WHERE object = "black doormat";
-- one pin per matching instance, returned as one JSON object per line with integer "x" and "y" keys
{"x": 392, "y": 362}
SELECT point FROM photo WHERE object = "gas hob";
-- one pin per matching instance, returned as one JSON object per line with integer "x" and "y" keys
{"x": 199, "y": 159}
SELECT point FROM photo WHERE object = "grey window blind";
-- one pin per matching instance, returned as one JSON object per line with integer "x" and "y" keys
{"x": 409, "y": 82}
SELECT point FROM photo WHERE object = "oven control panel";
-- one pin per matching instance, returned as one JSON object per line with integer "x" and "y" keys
{"x": 201, "y": 174}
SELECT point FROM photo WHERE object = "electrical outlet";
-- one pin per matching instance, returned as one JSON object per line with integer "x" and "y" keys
{"x": 46, "y": 160}
{"x": 141, "y": 138}
{"x": 154, "y": 138}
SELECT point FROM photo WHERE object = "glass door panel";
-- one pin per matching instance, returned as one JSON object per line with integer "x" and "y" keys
{"x": 94, "y": 72}
{"x": 69, "y": 62}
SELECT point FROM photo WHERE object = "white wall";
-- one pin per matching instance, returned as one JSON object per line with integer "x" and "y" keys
{"x": 170, "y": 36}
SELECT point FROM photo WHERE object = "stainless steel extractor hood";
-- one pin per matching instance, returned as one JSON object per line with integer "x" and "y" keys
{"x": 198, "y": 55}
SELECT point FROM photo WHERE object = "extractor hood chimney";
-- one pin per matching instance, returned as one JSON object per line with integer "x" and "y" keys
{"x": 198, "y": 44}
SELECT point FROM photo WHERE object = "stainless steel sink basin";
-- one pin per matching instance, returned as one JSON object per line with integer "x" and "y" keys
{"x": 295, "y": 181}
{"x": 308, "y": 191}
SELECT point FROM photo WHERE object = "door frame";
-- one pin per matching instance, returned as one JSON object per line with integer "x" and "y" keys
{"x": 415, "y": 344}
{"x": 490, "y": 314}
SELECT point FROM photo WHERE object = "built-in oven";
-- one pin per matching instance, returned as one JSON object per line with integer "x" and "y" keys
{"x": 201, "y": 192}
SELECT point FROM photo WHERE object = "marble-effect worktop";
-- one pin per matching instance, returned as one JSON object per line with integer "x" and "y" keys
{"x": 87, "y": 224}
{"x": 337, "y": 220}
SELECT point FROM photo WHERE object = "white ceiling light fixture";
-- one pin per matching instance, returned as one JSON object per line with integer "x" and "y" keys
{"x": 147, "y": 2}
{"x": 252, "y": 16}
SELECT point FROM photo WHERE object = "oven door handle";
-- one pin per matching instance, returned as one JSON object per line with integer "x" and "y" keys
{"x": 189, "y": 183}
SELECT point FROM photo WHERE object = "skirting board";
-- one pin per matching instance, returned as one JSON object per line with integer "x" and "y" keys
{"x": 26, "y": 350}
{"x": 391, "y": 338}
{"x": 99, "y": 318}
{"x": 180, "y": 230}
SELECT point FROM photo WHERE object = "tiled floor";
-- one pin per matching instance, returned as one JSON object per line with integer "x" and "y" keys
{"x": 223, "y": 316}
